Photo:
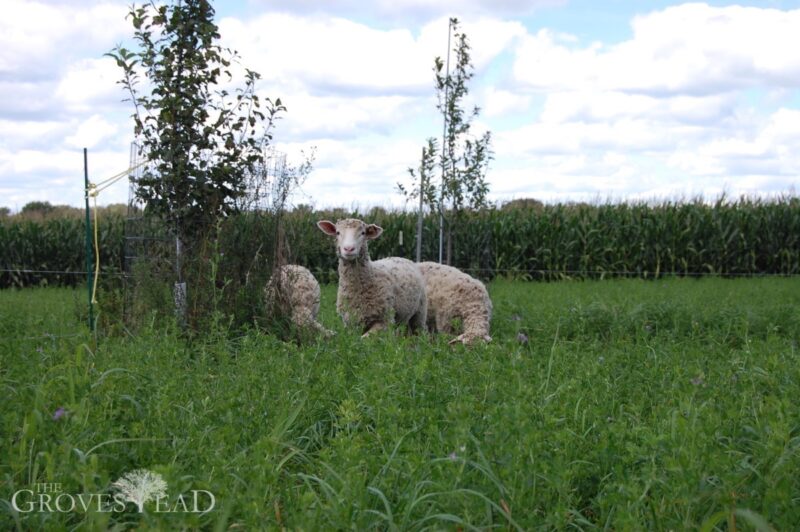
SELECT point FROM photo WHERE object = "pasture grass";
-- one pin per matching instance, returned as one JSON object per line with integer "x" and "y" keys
{"x": 632, "y": 405}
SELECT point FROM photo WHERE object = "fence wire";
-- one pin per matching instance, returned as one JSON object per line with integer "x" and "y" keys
{"x": 643, "y": 273}
{"x": 59, "y": 272}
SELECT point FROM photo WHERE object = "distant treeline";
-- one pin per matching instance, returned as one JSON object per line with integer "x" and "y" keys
{"x": 39, "y": 211}
{"x": 524, "y": 239}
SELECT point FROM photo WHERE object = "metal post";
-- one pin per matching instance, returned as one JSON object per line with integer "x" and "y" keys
{"x": 419, "y": 216}
{"x": 89, "y": 257}
{"x": 444, "y": 135}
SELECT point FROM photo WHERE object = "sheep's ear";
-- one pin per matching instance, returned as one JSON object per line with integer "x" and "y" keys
{"x": 329, "y": 228}
{"x": 374, "y": 231}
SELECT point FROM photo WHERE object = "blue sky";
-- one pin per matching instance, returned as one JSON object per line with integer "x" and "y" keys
{"x": 585, "y": 100}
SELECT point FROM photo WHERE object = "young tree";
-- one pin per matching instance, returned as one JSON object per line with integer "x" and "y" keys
{"x": 204, "y": 142}
{"x": 464, "y": 158}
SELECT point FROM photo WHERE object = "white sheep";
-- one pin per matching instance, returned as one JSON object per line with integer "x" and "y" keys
{"x": 452, "y": 294}
{"x": 297, "y": 293}
{"x": 374, "y": 294}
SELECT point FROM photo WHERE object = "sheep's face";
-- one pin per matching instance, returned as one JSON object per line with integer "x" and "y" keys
{"x": 351, "y": 236}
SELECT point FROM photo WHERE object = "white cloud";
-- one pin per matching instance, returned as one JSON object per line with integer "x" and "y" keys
{"x": 684, "y": 49}
{"x": 89, "y": 82}
{"x": 698, "y": 99}
{"x": 670, "y": 99}
{"x": 341, "y": 56}
{"x": 347, "y": 173}
{"x": 602, "y": 106}
{"x": 36, "y": 36}
{"x": 575, "y": 137}
{"x": 50, "y": 57}
{"x": 413, "y": 11}
{"x": 498, "y": 102}
{"x": 91, "y": 132}
{"x": 334, "y": 55}
{"x": 598, "y": 160}
{"x": 774, "y": 149}
{"x": 338, "y": 116}
{"x": 21, "y": 134}
{"x": 56, "y": 175}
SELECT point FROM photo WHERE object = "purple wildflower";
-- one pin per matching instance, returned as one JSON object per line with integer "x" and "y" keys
{"x": 59, "y": 413}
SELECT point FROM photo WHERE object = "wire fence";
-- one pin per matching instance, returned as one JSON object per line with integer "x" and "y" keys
{"x": 544, "y": 275}
{"x": 744, "y": 239}
{"x": 501, "y": 271}
{"x": 59, "y": 272}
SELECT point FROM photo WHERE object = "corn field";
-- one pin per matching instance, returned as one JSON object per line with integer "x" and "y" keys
{"x": 53, "y": 252}
{"x": 727, "y": 238}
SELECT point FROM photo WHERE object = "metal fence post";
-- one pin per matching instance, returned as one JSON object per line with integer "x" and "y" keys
{"x": 89, "y": 257}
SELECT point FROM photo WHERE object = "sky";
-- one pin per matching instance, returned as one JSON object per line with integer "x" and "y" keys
{"x": 585, "y": 100}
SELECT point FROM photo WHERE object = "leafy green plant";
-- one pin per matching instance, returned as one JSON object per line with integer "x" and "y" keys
{"x": 464, "y": 158}
{"x": 203, "y": 141}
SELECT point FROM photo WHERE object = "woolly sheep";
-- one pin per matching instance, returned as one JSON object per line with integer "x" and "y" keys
{"x": 298, "y": 293}
{"x": 373, "y": 294}
{"x": 454, "y": 294}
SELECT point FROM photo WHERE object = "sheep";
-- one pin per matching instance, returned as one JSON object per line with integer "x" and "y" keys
{"x": 373, "y": 294}
{"x": 454, "y": 294}
{"x": 297, "y": 294}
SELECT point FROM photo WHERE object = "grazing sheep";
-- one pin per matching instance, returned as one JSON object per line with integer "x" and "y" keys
{"x": 454, "y": 294}
{"x": 373, "y": 294}
{"x": 297, "y": 294}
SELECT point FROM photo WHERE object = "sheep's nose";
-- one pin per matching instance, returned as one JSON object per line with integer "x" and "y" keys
{"x": 348, "y": 249}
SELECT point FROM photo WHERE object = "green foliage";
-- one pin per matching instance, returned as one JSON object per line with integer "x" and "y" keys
{"x": 634, "y": 405}
{"x": 207, "y": 146}
{"x": 464, "y": 160}
{"x": 54, "y": 249}
{"x": 225, "y": 277}
{"x": 56, "y": 212}
{"x": 204, "y": 141}
{"x": 549, "y": 242}
{"x": 37, "y": 206}
{"x": 422, "y": 177}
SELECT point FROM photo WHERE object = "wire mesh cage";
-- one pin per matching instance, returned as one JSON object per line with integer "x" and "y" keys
{"x": 242, "y": 251}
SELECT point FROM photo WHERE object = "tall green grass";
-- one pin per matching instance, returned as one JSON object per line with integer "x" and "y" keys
{"x": 632, "y": 405}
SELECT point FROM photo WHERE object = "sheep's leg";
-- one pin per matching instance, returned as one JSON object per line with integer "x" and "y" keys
{"x": 461, "y": 338}
{"x": 469, "y": 339}
{"x": 476, "y": 327}
{"x": 317, "y": 326}
{"x": 301, "y": 316}
{"x": 417, "y": 323}
{"x": 304, "y": 318}
{"x": 375, "y": 327}
{"x": 431, "y": 324}
{"x": 444, "y": 323}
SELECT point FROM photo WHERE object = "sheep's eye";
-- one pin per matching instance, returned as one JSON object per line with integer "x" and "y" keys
{"x": 363, "y": 233}
{"x": 337, "y": 233}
